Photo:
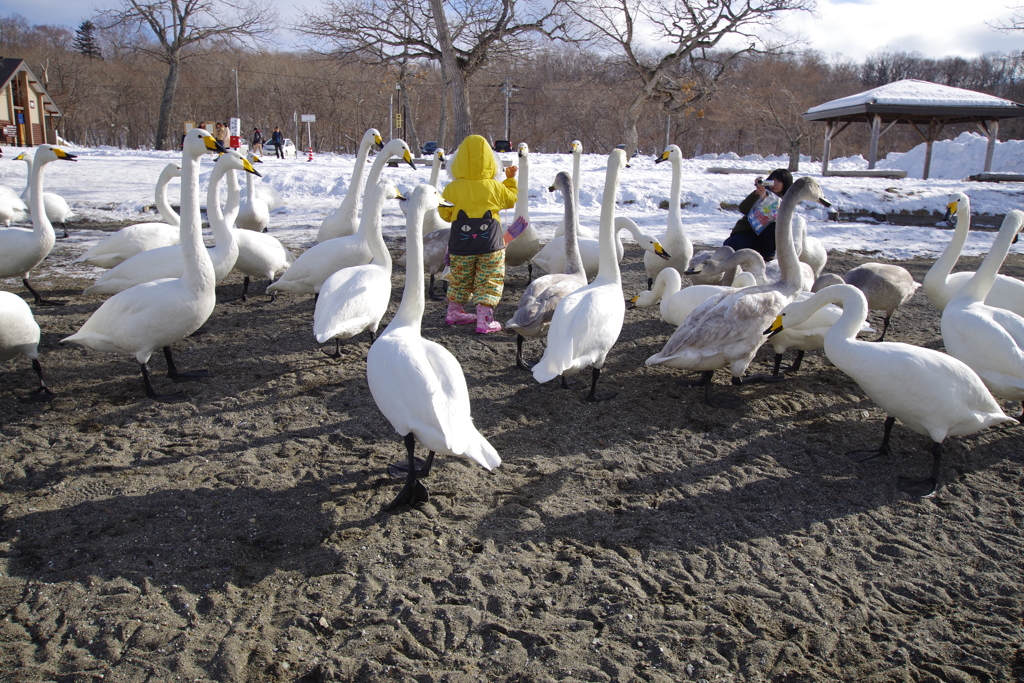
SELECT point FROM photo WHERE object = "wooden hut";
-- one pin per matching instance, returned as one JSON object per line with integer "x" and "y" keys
{"x": 28, "y": 117}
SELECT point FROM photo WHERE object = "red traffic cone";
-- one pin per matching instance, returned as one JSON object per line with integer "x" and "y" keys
{"x": 310, "y": 154}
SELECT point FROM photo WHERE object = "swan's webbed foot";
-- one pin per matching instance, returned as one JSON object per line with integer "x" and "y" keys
{"x": 41, "y": 395}
{"x": 520, "y": 363}
{"x": 65, "y": 229}
{"x": 414, "y": 469}
{"x": 929, "y": 486}
{"x": 593, "y": 396}
{"x": 883, "y": 452}
{"x": 704, "y": 380}
{"x": 566, "y": 384}
{"x": 151, "y": 392}
{"x": 336, "y": 354}
{"x": 177, "y": 377}
{"x": 39, "y": 300}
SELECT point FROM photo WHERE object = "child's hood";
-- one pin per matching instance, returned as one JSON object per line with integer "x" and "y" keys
{"x": 474, "y": 160}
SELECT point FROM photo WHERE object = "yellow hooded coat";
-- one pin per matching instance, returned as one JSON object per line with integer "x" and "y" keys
{"x": 474, "y": 189}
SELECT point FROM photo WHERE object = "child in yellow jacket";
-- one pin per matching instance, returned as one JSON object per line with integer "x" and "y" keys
{"x": 476, "y": 245}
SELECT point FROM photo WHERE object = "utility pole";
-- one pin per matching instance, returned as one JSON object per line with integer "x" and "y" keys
{"x": 237, "y": 108}
{"x": 507, "y": 89}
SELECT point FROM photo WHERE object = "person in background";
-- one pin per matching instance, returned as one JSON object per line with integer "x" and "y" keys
{"x": 759, "y": 234}
{"x": 277, "y": 140}
{"x": 223, "y": 134}
{"x": 257, "y": 142}
{"x": 476, "y": 244}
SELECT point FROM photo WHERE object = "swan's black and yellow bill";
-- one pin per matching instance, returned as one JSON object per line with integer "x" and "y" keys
{"x": 445, "y": 202}
{"x": 824, "y": 202}
{"x": 660, "y": 251}
{"x": 401, "y": 197}
{"x": 20, "y": 157}
{"x": 249, "y": 169}
{"x": 213, "y": 144}
{"x": 379, "y": 141}
{"x": 663, "y": 157}
{"x": 408, "y": 158}
{"x": 775, "y": 328}
{"x": 64, "y": 156}
{"x": 950, "y": 210}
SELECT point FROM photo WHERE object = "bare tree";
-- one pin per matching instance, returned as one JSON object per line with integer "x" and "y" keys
{"x": 461, "y": 34}
{"x": 181, "y": 28}
{"x": 695, "y": 40}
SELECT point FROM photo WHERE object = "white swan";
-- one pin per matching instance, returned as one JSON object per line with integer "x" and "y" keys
{"x": 526, "y": 245}
{"x": 587, "y": 322}
{"x": 726, "y": 330}
{"x": 806, "y": 336}
{"x": 940, "y": 285}
{"x": 988, "y": 338}
{"x": 674, "y": 240}
{"x": 56, "y": 207}
{"x": 885, "y": 286}
{"x": 319, "y": 262}
{"x": 19, "y": 333}
{"x": 169, "y": 262}
{"x": 260, "y": 255}
{"x": 809, "y": 249}
{"x": 540, "y": 298}
{"x": 432, "y": 221}
{"x": 590, "y": 249}
{"x": 253, "y": 211}
{"x": 21, "y": 249}
{"x": 345, "y": 220}
{"x": 353, "y": 300}
{"x": 576, "y": 150}
{"x": 932, "y": 393}
{"x": 417, "y": 384}
{"x": 678, "y": 302}
{"x": 157, "y": 314}
{"x": 135, "y": 239}
{"x": 750, "y": 261}
{"x": 12, "y": 206}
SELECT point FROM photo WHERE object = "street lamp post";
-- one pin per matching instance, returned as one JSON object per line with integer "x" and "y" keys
{"x": 237, "y": 108}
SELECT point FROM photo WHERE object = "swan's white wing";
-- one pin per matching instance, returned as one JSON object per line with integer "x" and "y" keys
{"x": 539, "y": 300}
{"x": 351, "y": 301}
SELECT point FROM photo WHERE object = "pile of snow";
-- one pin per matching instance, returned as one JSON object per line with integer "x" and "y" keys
{"x": 957, "y": 159}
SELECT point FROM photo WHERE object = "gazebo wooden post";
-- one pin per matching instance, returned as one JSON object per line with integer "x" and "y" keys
{"x": 876, "y": 131}
{"x": 929, "y": 142}
{"x": 829, "y": 127}
{"x": 991, "y": 129}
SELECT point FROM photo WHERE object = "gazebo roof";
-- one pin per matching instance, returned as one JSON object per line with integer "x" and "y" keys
{"x": 912, "y": 100}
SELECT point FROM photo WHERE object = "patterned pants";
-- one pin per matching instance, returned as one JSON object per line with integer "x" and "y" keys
{"x": 479, "y": 278}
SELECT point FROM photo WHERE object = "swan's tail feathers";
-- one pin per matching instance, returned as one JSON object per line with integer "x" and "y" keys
{"x": 483, "y": 453}
{"x": 545, "y": 370}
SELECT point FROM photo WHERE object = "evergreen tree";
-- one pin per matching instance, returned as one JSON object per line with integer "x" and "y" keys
{"x": 85, "y": 41}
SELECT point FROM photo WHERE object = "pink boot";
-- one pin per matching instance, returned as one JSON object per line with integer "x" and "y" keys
{"x": 457, "y": 315}
{"x": 485, "y": 323}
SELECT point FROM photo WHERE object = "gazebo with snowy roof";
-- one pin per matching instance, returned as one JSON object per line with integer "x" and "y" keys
{"x": 919, "y": 103}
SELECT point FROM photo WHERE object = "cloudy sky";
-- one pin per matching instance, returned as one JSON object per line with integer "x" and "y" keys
{"x": 854, "y": 28}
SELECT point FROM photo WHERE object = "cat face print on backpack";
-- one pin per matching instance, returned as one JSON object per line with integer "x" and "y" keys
{"x": 471, "y": 236}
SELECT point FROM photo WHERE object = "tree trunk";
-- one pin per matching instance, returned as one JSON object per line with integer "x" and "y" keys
{"x": 460, "y": 104}
{"x": 630, "y": 123}
{"x": 442, "y": 128}
{"x": 794, "y": 155}
{"x": 166, "y": 104}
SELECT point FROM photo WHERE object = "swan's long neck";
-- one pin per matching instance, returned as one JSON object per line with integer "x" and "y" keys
{"x": 383, "y": 157}
{"x": 435, "y": 170}
{"x": 855, "y": 312}
{"x": 26, "y": 194}
{"x": 40, "y": 222}
{"x": 197, "y": 268}
{"x": 576, "y": 178}
{"x": 789, "y": 265}
{"x": 749, "y": 260}
{"x": 573, "y": 259}
{"x": 935, "y": 279}
{"x": 410, "y": 311}
{"x": 671, "y": 283}
{"x": 355, "y": 187}
{"x": 608, "y": 262}
{"x": 250, "y": 187}
{"x": 369, "y": 224}
{"x": 977, "y": 287}
{"x": 675, "y": 194}
{"x": 523, "y": 199}
{"x": 232, "y": 205}
{"x": 160, "y": 198}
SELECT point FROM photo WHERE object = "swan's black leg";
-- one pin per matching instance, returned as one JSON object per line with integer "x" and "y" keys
{"x": 650, "y": 283}
{"x": 924, "y": 488}
{"x": 885, "y": 328}
{"x": 172, "y": 370}
{"x": 794, "y": 367}
{"x": 40, "y": 301}
{"x": 430, "y": 290}
{"x": 373, "y": 336}
{"x": 883, "y": 451}
{"x": 245, "y": 293}
{"x": 337, "y": 349}
{"x": 778, "y": 362}
{"x": 151, "y": 392}
{"x": 520, "y": 363}
{"x": 727, "y": 402}
{"x": 43, "y": 393}
{"x": 529, "y": 271}
{"x": 64, "y": 227}
{"x": 603, "y": 396}
{"x": 413, "y": 491}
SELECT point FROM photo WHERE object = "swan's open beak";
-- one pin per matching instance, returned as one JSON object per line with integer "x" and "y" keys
{"x": 408, "y": 159}
{"x": 663, "y": 157}
{"x": 660, "y": 251}
{"x": 379, "y": 141}
{"x": 775, "y": 328}
{"x": 64, "y": 156}
{"x": 249, "y": 169}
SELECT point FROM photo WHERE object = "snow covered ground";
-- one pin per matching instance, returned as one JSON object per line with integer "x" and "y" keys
{"x": 110, "y": 184}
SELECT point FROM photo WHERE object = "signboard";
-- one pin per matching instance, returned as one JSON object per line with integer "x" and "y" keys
{"x": 20, "y": 117}
{"x": 234, "y": 141}
{"x": 10, "y": 131}
{"x": 308, "y": 118}
{"x": 235, "y": 127}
